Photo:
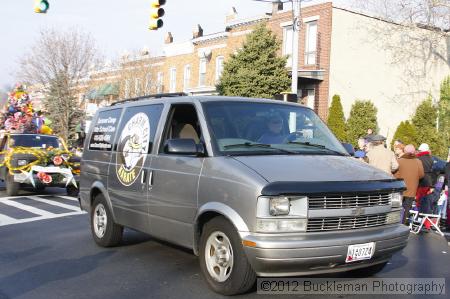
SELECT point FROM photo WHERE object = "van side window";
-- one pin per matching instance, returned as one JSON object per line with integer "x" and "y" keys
{"x": 104, "y": 130}
{"x": 138, "y": 128}
{"x": 182, "y": 123}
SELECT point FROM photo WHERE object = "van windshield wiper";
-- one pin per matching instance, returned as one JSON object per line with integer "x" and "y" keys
{"x": 258, "y": 145}
{"x": 317, "y": 146}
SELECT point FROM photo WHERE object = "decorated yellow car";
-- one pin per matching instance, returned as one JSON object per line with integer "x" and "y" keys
{"x": 37, "y": 161}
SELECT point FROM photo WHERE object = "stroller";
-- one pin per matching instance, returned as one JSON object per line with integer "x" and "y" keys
{"x": 428, "y": 214}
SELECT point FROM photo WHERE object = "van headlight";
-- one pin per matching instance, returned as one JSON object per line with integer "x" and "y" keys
{"x": 279, "y": 206}
{"x": 276, "y": 225}
{"x": 396, "y": 199}
{"x": 393, "y": 217}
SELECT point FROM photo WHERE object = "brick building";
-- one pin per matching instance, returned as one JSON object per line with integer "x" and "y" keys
{"x": 340, "y": 52}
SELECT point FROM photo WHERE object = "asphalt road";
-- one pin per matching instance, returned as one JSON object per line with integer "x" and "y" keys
{"x": 57, "y": 258}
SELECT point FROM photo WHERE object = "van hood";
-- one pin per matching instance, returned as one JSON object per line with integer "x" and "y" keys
{"x": 312, "y": 168}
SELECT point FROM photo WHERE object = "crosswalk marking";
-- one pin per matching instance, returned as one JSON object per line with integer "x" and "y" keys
{"x": 55, "y": 203}
{"x": 4, "y": 220}
{"x": 68, "y": 197}
{"x": 38, "y": 213}
{"x": 26, "y": 208}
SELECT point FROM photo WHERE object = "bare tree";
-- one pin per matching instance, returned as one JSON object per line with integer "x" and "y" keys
{"x": 136, "y": 75}
{"x": 410, "y": 30}
{"x": 59, "y": 60}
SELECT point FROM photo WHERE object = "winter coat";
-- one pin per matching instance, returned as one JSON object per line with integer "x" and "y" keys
{"x": 382, "y": 158}
{"x": 410, "y": 169}
{"x": 430, "y": 177}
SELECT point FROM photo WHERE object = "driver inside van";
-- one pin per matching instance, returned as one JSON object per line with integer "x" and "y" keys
{"x": 274, "y": 133}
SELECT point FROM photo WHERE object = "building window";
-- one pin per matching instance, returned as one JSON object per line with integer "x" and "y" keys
{"x": 219, "y": 67}
{"x": 137, "y": 87}
{"x": 187, "y": 76}
{"x": 311, "y": 43}
{"x": 173, "y": 80}
{"x": 127, "y": 88}
{"x": 159, "y": 82}
{"x": 202, "y": 72}
{"x": 148, "y": 83}
{"x": 288, "y": 34}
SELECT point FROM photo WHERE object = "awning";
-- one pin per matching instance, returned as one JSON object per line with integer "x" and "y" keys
{"x": 108, "y": 89}
{"x": 102, "y": 91}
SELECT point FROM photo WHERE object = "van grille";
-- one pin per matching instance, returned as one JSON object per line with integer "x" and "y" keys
{"x": 348, "y": 202}
{"x": 344, "y": 223}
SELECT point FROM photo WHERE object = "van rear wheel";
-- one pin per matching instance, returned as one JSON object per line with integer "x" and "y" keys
{"x": 222, "y": 259}
{"x": 105, "y": 231}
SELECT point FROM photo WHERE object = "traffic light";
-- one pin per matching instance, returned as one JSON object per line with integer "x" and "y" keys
{"x": 41, "y": 6}
{"x": 155, "y": 14}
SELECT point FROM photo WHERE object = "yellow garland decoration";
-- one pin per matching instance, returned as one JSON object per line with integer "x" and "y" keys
{"x": 42, "y": 157}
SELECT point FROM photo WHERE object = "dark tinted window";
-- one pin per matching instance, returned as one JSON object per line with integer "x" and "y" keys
{"x": 104, "y": 130}
{"x": 41, "y": 141}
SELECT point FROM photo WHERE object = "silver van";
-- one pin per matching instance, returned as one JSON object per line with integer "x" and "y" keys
{"x": 255, "y": 187}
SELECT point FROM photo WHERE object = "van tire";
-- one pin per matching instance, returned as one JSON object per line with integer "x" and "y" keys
{"x": 107, "y": 233}
{"x": 12, "y": 188}
{"x": 241, "y": 276}
{"x": 368, "y": 271}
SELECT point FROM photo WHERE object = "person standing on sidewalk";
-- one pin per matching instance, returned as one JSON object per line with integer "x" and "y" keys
{"x": 429, "y": 179}
{"x": 380, "y": 157}
{"x": 410, "y": 169}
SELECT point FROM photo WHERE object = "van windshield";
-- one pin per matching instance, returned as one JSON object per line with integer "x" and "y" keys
{"x": 246, "y": 128}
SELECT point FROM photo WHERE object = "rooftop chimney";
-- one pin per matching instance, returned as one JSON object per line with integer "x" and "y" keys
{"x": 168, "y": 39}
{"x": 198, "y": 31}
{"x": 276, "y": 7}
{"x": 232, "y": 15}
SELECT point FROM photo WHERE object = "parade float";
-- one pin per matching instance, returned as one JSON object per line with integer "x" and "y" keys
{"x": 30, "y": 155}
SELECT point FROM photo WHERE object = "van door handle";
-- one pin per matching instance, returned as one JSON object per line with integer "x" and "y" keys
{"x": 150, "y": 180}
{"x": 143, "y": 176}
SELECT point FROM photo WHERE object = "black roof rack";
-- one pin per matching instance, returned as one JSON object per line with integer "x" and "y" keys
{"x": 152, "y": 96}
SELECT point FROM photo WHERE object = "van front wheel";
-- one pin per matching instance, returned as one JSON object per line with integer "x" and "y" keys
{"x": 105, "y": 231}
{"x": 222, "y": 259}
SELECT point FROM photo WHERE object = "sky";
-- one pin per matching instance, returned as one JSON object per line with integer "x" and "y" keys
{"x": 116, "y": 25}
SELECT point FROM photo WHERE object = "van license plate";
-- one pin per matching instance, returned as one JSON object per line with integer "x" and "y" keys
{"x": 359, "y": 252}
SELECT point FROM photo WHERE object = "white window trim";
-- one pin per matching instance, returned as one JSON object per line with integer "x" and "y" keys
{"x": 311, "y": 19}
{"x": 218, "y": 75}
{"x": 159, "y": 82}
{"x": 172, "y": 81}
{"x": 187, "y": 79}
{"x": 200, "y": 83}
{"x": 307, "y": 50}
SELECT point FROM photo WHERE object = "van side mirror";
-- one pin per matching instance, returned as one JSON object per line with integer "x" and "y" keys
{"x": 183, "y": 146}
{"x": 349, "y": 148}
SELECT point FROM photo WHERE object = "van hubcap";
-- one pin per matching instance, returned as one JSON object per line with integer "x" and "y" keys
{"x": 100, "y": 220}
{"x": 219, "y": 256}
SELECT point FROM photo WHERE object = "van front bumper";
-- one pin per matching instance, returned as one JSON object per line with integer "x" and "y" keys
{"x": 279, "y": 255}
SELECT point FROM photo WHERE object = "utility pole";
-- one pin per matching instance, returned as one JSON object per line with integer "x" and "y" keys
{"x": 296, "y": 24}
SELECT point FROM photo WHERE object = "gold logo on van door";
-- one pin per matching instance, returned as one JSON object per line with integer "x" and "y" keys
{"x": 132, "y": 148}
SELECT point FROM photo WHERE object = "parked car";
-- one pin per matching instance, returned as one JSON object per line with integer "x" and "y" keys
{"x": 37, "y": 161}
{"x": 254, "y": 187}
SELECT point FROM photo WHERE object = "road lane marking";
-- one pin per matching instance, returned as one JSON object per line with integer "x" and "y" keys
{"x": 55, "y": 203}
